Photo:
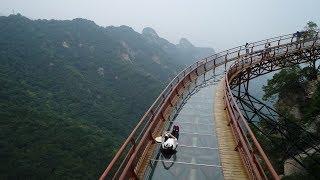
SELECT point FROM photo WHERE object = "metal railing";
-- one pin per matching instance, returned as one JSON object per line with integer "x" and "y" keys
{"x": 126, "y": 159}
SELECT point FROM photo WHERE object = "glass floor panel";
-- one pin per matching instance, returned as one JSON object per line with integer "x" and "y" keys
{"x": 208, "y": 123}
{"x": 193, "y": 155}
{"x": 196, "y": 128}
{"x": 194, "y": 118}
{"x": 181, "y": 171}
{"x": 193, "y": 112}
{"x": 197, "y": 110}
{"x": 197, "y": 155}
{"x": 200, "y": 100}
{"x": 198, "y": 140}
{"x": 198, "y": 106}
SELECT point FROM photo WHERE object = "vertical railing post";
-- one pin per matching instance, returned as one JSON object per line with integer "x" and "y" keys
{"x": 226, "y": 60}
{"x": 279, "y": 41}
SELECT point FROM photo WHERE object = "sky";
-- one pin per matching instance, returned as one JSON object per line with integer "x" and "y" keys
{"x": 220, "y": 24}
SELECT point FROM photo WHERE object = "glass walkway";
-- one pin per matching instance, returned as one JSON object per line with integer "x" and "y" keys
{"x": 197, "y": 155}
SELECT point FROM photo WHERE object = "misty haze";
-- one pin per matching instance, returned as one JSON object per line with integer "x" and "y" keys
{"x": 159, "y": 89}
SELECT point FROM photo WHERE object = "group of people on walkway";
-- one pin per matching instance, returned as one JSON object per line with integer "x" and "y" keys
{"x": 266, "y": 52}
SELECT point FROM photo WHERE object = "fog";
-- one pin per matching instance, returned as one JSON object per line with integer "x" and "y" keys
{"x": 220, "y": 24}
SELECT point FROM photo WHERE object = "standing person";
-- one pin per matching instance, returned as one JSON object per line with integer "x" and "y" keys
{"x": 267, "y": 50}
{"x": 175, "y": 131}
{"x": 267, "y": 45}
{"x": 247, "y": 48}
{"x": 298, "y": 35}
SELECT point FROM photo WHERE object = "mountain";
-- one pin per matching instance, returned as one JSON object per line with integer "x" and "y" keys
{"x": 71, "y": 91}
{"x": 185, "y": 52}
{"x": 189, "y": 51}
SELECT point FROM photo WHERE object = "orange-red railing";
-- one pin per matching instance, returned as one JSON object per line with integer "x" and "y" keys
{"x": 124, "y": 162}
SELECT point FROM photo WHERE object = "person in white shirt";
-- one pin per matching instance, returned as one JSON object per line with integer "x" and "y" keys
{"x": 169, "y": 142}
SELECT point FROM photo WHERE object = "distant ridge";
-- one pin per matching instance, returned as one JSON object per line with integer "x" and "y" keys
{"x": 71, "y": 91}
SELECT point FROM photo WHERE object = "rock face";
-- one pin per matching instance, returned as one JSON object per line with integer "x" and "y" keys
{"x": 291, "y": 166}
{"x": 185, "y": 44}
{"x": 149, "y": 32}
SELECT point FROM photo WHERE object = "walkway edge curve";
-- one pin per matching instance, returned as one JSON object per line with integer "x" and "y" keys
{"x": 232, "y": 165}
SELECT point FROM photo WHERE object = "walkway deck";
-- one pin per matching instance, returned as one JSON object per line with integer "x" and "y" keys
{"x": 232, "y": 165}
{"x": 197, "y": 155}
{"x": 206, "y": 145}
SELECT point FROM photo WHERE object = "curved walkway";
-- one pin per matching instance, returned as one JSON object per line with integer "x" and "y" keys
{"x": 197, "y": 155}
{"x": 265, "y": 55}
{"x": 206, "y": 144}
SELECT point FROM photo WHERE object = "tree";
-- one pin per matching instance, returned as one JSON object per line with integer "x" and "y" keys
{"x": 288, "y": 79}
{"x": 310, "y": 29}
{"x": 310, "y": 32}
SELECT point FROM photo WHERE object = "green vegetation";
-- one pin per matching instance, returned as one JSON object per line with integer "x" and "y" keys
{"x": 298, "y": 100}
{"x": 71, "y": 92}
{"x": 287, "y": 81}
{"x": 297, "y": 93}
{"x": 310, "y": 29}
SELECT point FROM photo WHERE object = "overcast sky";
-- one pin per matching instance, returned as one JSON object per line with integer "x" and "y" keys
{"x": 220, "y": 24}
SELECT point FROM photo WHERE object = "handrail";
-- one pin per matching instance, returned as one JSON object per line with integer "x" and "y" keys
{"x": 136, "y": 137}
{"x": 244, "y": 144}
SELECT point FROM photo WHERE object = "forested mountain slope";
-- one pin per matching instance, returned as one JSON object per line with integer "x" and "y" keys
{"x": 71, "y": 91}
